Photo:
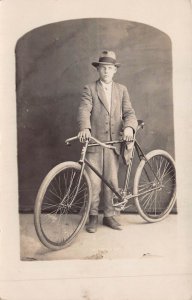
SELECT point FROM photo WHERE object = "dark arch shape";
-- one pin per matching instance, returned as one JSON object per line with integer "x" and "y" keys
{"x": 53, "y": 62}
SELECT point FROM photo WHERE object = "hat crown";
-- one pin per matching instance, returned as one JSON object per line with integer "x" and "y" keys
{"x": 109, "y": 54}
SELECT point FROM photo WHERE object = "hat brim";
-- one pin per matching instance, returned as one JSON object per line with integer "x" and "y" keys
{"x": 96, "y": 64}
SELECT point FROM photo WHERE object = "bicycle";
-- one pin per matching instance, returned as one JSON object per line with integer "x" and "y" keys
{"x": 63, "y": 200}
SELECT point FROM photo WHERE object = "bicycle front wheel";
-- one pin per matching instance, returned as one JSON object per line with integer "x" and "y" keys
{"x": 62, "y": 205}
{"x": 155, "y": 186}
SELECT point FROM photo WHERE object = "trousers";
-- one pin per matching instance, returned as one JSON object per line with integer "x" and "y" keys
{"x": 107, "y": 163}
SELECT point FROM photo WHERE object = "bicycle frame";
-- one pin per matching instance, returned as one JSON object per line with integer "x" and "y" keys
{"x": 123, "y": 197}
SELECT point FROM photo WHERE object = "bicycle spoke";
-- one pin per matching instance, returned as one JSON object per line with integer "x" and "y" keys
{"x": 158, "y": 166}
{"x": 169, "y": 179}
{"x": 48, "y": 206}
{"x": 167, "y": 165}
{"x": 55, "y": 195}
{"x": 143, "y": 187}
{"x": 74, "y": 191}
{"x": 59, "y": 186}
{"x": 147, "y": 201}
{"x": 154, "y": 197}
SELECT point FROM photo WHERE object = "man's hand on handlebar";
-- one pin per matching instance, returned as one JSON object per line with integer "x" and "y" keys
{"x": 128, "y": 134}
{"x": 84, "y": 135}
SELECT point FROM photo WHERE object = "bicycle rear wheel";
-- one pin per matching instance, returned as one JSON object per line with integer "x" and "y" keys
{"x": 61, "y": 209}
{"x": 155, "y": 181}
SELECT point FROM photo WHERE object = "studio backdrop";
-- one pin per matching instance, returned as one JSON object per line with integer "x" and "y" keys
{"x": 53, "y": 63}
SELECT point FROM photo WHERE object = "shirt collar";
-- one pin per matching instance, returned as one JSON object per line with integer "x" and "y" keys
{"x": 108, "y": 85}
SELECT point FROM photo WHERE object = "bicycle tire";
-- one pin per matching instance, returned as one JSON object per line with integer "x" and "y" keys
{"x": 58, "y": 216}
{"x": 155, "y": 206}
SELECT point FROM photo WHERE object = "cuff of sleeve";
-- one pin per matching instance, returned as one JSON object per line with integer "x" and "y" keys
{"x": 130, "y": 127}
{"x": 82, "y": 128}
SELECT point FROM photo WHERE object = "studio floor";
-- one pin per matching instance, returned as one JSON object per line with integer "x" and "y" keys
{"x": 136, "y": 240}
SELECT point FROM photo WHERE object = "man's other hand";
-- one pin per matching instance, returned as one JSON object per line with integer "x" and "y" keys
{"x": 128, "y": 134}
{"x": 84, "y": 135}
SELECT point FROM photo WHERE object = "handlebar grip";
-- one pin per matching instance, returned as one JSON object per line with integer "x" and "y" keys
{"x": 67, "y": 142}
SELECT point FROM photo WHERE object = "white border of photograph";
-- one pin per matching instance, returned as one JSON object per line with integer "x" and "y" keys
{"x": 125, "y": 279}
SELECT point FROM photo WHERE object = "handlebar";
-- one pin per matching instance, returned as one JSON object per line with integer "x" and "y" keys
{"x": 68, "y": 141}
{"x": 97, "y": 142}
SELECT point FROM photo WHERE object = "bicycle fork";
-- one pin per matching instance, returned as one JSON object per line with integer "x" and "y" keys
{"x": 81, "y": 161}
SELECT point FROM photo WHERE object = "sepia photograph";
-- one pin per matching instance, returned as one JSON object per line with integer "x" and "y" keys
{"x": 95, "y": 150}
{"x": 67, "y": 86}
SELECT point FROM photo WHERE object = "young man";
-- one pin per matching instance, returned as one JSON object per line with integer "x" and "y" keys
{"x": 105, "y": 112}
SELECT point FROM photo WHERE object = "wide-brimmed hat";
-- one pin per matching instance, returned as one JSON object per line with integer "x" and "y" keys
{"x": 106, "y": 58}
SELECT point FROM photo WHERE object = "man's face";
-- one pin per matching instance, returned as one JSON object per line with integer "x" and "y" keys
{"x": 106, "y": 72}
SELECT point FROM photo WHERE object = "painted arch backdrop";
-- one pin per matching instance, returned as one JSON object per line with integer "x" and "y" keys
{"x": 53, "y": 63}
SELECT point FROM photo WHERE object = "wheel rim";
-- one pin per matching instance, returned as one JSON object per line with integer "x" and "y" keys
{"x": 158, "y": 178}
{"x": 61, "y": 214}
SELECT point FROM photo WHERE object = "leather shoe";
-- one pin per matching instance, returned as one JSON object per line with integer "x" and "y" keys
{"x": 112, "y": 223}
{"x": 92, "y": 225}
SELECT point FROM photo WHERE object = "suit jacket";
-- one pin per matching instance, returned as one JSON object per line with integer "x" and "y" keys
{"x": 94, "y": 113}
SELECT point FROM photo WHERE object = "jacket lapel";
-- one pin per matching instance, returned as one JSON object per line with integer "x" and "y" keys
{"x": 101, "y": 95}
